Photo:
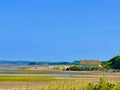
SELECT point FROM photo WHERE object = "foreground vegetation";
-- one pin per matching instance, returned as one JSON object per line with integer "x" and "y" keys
{"x": 58, "y": 83}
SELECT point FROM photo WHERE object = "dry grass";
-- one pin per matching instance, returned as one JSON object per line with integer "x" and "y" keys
{"x": 57, "y": 83}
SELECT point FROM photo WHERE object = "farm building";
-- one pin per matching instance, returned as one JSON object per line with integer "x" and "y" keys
{"x": 84, "y": 63}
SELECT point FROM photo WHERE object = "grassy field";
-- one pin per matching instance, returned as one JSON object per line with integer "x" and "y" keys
{"x": 36, "y": 82}
{"x": 25, "y": 79}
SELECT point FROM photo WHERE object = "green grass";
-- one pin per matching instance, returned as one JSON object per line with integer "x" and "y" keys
{"x": 25, "y": 78}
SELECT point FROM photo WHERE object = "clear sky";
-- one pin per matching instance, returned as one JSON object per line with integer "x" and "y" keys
{"x": 59, "y": 30}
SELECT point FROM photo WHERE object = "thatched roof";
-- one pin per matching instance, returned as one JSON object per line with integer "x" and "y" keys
{"x": 90, "y": 62}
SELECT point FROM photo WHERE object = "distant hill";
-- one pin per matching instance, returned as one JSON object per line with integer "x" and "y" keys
{"x": 17, "y": 63}
{"x": 115, "y": 62}
{"x": 8, "y": 62}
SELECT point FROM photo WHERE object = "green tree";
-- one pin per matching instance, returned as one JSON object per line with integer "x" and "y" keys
{"x": 115, "y": 62}
{"x": 106, "y": 64}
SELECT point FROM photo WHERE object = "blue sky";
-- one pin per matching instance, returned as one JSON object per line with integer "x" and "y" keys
{"x": 59, "y": 30}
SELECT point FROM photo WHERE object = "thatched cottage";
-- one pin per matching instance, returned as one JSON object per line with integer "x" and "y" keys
{"x": 84, "y": 63}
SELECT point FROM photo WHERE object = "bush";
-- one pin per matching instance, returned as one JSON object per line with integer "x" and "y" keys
{"x": 74, "y": 68}
{"x": 92, "y": 68}
{"x": 87, "y": 68}
{"x": 102, "y": 85}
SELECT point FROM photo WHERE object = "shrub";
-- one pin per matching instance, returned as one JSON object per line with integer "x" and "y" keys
{"x": 74, "y": 68}
{"x": 102, "y": 85}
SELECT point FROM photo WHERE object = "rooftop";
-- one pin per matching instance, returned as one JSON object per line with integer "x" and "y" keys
{"x": 90, "y": 62}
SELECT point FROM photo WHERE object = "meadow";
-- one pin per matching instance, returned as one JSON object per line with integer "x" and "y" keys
{"x": 41, "y": 82}
{"x": 29, "y": 79}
